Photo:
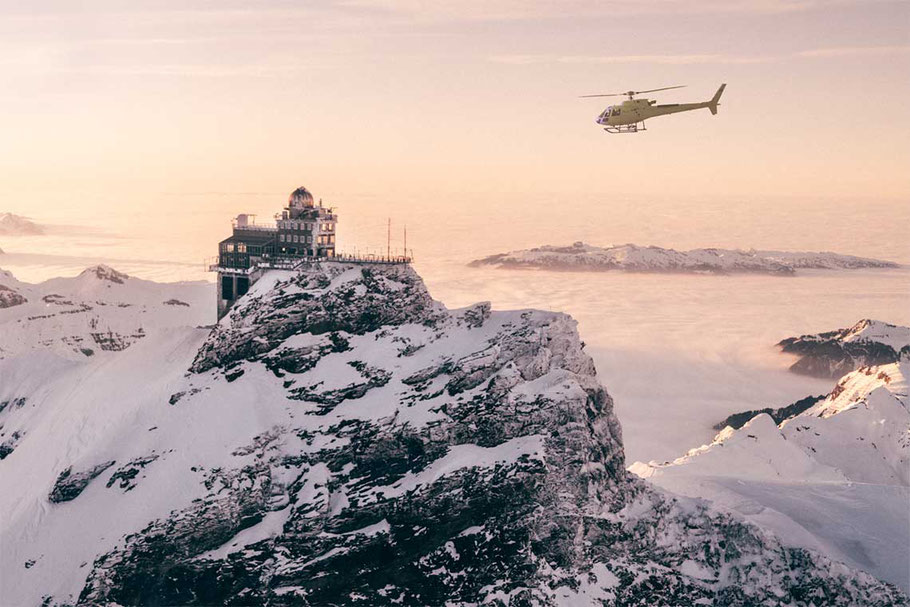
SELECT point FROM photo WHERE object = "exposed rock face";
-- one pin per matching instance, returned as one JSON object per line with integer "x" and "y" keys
{"x": 337, "y": 298}
{"x": 836, "y": 353}
{"x": 70, "y": 484}
{"x": 103, "y": 272}
{"x": 633, "y": 258}
{"x": 779, "y": 415}
{"x": 10, "y": 298}
{"x": 420, "y": 456}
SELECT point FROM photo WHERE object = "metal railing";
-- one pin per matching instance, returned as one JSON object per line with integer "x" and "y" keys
{"x": 370, "y": 258}
{"x": 254, "y": 227}
{"x": 295, "y": 262}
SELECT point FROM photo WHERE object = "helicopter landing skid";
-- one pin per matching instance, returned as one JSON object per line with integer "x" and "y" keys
{"x": 626, "y": 128}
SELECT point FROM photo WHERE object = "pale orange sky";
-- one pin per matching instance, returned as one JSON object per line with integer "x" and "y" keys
{"x": 103, "y": 102}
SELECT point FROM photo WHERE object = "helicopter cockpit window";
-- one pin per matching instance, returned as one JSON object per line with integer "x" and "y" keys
{"x": 616, "y": 111}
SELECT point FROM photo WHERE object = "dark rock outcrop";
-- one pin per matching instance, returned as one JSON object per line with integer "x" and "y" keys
{"x": 125, "y": 476}
{"x": 70, "y": 484}
{"x": 377, "y": 297}
{"x": 10, "y": 297}
{"x": 738, "y": 420}
{"x": 103, "y": 272}
{"x": 835, "y": 353}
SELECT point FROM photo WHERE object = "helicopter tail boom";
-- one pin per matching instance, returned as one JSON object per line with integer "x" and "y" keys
{"x": 712, "y": 105}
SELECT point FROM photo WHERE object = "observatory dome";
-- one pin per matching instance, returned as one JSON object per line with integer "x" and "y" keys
{"x": 300, "y": 197}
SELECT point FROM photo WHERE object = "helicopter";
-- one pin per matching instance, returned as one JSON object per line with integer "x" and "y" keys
{"x": 625, "y": 118}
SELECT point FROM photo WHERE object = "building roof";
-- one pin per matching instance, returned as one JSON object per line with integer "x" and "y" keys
{"x": 250, "y": 237}
{"x": 301, "y": 197}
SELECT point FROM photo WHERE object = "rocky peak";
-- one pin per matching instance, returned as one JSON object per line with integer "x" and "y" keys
{"x": 104, "y": 272}
{"x": 324, "y": 298}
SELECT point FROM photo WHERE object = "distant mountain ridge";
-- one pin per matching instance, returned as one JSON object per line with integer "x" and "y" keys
{"x": 634, "y": 258}
{"x": 16, "y": 225}
{"x": 836, "y": 353}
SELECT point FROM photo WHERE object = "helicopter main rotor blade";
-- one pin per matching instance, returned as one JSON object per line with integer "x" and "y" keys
{"x": 666, "y": 88}
{"x": 631, "y": 93}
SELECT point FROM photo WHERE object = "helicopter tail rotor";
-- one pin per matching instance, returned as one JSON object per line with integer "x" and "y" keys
{"x": 712, "y": 105}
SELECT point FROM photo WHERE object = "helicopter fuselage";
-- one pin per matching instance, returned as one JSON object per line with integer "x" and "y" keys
{"x": 638, "y": 110}
{"x": 625, "y": 117}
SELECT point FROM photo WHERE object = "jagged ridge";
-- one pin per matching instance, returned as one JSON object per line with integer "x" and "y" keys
{"x": 496, "y": 470}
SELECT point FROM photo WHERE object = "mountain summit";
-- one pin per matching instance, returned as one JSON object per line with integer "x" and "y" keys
{"x": 342, "y": 438}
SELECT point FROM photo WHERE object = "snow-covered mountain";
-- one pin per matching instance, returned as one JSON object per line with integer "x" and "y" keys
{"x": 633, "y": 258}
{"x": 16, "y": 225}
{"x": 49, "y": 329}
{"x": 101, "y": 310}
{"x": 342, "y": 438}
{"x": 835, "y": 477}
{"x": 835, "y": 353}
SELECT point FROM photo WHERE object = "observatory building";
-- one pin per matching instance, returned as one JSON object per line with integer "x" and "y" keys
{"x": 303, "y": 231}
{"x": 304, "y": 228}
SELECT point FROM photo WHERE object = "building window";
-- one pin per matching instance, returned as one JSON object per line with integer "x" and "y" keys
{"x": 229, "y": 247}
{"x": 281, "y": 237}
{"x": 241, "y": 247}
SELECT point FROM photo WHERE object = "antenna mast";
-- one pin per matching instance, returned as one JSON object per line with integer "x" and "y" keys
{"x": 388, "y": 240}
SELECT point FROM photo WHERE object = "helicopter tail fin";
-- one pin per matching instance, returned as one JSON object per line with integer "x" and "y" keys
{"x": 712, "y": 105}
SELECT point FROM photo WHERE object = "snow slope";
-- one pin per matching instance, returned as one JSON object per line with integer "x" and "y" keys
{"x": 98, "y": 311}
{"x": 835, "y": 477}
{"x": 342, "y": 438}
{"x": 67, "y": 327}
{"x": 633, "y": 258}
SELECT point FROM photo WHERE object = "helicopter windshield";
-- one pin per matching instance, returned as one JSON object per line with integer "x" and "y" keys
{"x": 606, "y": 113}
